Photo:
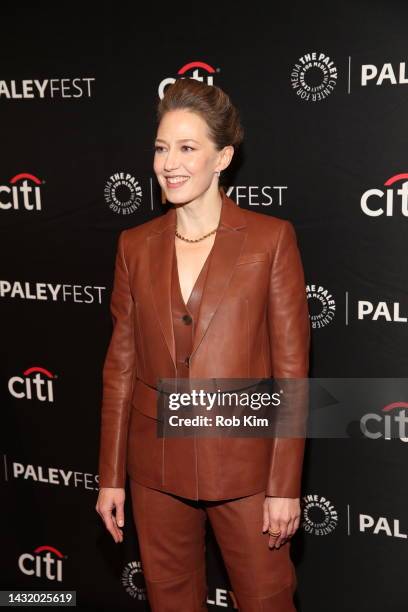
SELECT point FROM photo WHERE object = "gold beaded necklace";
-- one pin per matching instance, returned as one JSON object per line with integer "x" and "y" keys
{"x": 195, "y": 239}
{"x": 202, "y": 237}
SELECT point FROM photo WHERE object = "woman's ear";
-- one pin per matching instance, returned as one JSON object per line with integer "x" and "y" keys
{"x": 226, "y": 157}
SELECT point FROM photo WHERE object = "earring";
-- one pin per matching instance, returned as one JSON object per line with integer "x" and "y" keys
{"x": 218, "y": 173}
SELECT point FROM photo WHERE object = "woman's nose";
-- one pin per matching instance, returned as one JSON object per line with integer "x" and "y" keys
{"x": 171, "y": 162}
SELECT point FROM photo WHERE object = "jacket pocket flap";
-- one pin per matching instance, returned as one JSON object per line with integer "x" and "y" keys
{"x": 145, "y": 399}
{"x": 252, "y": 257}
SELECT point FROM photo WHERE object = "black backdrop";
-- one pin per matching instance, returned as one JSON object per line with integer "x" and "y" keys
{"x": 323, "y": 94}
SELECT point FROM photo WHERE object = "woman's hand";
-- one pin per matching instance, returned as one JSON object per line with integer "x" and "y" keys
{"x": 281, "y": 514}
{"x": 109, "y": 498}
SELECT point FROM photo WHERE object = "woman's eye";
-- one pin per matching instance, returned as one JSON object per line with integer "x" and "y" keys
{"x": 159, "y": 148}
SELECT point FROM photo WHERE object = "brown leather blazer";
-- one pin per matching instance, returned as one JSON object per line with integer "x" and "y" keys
{"x": 253, "y": 322}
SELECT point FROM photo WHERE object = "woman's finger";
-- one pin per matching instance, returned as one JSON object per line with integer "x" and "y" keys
{"x": 275, "y": 527}
{"x": 110, "y": 524}
{"x": 283, "y": 533}
{"x": 290, "y": 528}
{"x": 119, "y": 532}
{"x": 265, "y": 524}
{"x": 120, "y": 514}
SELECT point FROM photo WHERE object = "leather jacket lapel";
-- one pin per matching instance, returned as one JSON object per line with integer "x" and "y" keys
{"x": 226, "y": 250}
{"x": 161, "y": 248}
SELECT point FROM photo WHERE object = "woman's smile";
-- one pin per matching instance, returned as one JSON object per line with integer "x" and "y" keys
{"x": 173, "y": 182}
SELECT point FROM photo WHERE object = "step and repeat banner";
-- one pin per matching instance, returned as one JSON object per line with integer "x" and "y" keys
{"x": 323, "y": 94}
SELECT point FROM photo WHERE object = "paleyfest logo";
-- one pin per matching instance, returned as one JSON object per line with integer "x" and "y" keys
{"x": 314, "y": 76}
{"x": 388, "y": 74}
{"x": 200, "y": 71}
{"x": 42, "y": 89}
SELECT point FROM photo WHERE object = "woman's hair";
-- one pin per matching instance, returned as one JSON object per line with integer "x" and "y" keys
{"x": 211, "y": 103}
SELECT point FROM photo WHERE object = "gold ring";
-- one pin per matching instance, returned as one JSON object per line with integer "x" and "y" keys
{"x": 275, "y": 534}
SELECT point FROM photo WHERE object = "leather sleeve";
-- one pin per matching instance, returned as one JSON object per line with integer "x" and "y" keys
{"x": 289, "y": 330}
{"x": 118, "y": 378}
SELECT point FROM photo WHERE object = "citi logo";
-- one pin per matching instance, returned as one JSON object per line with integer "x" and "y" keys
{"x": 196, "y": 69}
{"x": 36, "y": 383}
{"x": 388, "y": 201}
{"x": 23, "y": 193}
{"x": 44, "y": 562}
{"x": 391, "y": 424}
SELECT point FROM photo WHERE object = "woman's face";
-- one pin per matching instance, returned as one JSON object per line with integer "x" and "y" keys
{"x": 185, "y": 159}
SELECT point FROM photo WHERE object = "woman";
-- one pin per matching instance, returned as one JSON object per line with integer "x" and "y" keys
{"x": 206, "y": 290}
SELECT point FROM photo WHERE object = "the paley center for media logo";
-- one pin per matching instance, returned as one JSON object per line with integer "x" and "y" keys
{"x": 123, "y": 193}
{"x": 314, "y": 76}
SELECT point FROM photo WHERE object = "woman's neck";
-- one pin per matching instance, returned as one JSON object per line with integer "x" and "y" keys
{"x": 199, "y": 216}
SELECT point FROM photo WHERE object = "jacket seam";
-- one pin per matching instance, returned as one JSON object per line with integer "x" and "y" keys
{"x": 130, "y": 394}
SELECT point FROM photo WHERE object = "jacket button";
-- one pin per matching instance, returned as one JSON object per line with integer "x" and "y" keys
{"x": 187, "y": 319}
{"x": 187, "y": 361}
